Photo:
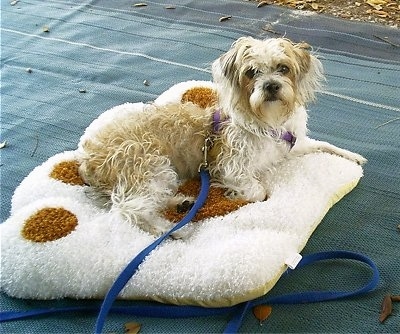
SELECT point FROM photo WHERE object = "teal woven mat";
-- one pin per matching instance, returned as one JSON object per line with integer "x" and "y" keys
{"x": 65, "y": 62}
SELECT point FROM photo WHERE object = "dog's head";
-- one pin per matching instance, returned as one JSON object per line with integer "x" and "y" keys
{"x": 263, "y": 81}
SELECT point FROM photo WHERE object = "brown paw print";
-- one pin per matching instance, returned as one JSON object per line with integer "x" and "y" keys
{"x": 67, "y": 172}
{"x": 49, "y": 224}
{"x": 202, "y": 96}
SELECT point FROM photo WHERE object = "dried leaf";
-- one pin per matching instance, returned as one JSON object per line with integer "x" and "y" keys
{"x": 3, "y": 144}
{"x": 46, "y": 29}
{"x": 140, "y": 4}
{"x": 314, "y": 6}
{"x": 380, "y": 13}
{"x": 264, "y": 3}
{"x": 262, "y": 312}
{"x": 132, "y": 327}
{"x": 170, "y": 7}
{"x": 225, "y": 18}
{"x": 376, "y": 2}
{"x": 386, "y": 308}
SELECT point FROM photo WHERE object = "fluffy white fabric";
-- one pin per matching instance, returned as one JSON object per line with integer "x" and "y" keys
{"x": 227, "y": 260}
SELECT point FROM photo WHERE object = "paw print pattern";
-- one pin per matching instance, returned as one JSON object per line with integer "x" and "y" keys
{"x": 204, "y": 97}
{"x": 53, "y": 223}
{"x": 49, "y": 224}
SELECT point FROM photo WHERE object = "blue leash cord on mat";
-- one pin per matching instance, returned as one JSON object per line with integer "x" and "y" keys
{"x": 131, "y": 268}
{"x": 239, "y": 311}
{"x": 310, "y": 296}
{"x": 173, "y": 311}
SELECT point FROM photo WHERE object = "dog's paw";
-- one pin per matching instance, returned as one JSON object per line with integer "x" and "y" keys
{"x": 256, "y": 193}
{"x": 183, "y": 233}
{"x": 155, "y": 230}
{"x": 355, "y": 157}
{"x": 185, "y": 206}
{"x": 360, "y": 159}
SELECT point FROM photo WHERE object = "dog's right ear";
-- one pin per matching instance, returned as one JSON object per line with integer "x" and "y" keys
{"x": 230, "y": 61}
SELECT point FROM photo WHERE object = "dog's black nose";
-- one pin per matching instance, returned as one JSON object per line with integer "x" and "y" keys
{"x": 272, "y": 87}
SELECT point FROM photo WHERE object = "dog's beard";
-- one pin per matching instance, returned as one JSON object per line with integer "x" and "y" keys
{"x": 272, "y": 111}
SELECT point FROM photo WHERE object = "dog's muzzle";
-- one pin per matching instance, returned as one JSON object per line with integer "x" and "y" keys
{"x": 271, "y": 89}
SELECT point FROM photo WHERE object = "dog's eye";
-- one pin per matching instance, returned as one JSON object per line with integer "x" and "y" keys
{"x": 251, "y": 73}
{"x": 283, "y": 69}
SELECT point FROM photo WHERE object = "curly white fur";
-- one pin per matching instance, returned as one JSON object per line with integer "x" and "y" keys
{"x": 137, "y": 160}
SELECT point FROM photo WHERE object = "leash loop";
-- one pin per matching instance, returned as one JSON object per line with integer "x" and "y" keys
{"x": 239, "y": 311}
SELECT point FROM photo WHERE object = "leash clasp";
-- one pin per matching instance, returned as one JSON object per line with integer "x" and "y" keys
{"x": 206, "y": 147}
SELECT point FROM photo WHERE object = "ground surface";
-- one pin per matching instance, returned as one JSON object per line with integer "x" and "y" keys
{"x": 385, "y": 12}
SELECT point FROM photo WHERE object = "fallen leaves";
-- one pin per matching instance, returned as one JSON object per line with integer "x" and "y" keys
{"x": 302, "y": 4}
{"x": 387, "y": 306}
{"x": 264, "y": 3}
{"x": 377, "y": 4}
{"x": 225, "y": 18}
{"x": 262, "y": 312}
{"x": 382, "y": 11}
{"x": 132, "y": 327}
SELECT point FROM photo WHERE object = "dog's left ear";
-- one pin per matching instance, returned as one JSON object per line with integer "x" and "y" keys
{"x": 302, "y": 51}
{"x": 229, "y": 61}
{"x": 310, "y": 72}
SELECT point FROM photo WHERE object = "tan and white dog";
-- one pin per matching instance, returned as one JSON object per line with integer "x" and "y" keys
{"x": 262, "y": 86}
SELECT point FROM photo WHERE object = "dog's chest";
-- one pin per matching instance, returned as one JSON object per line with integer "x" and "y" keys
{"x": 266, "y": 153}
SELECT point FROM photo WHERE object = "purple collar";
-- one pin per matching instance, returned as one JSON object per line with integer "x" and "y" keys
{"x": 217, "y": 123}
{"x": 289, "y": 138}
{"x": 285, "y": 136}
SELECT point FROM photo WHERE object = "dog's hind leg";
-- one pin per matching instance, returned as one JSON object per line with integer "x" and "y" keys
{"x": 150, "y": 187}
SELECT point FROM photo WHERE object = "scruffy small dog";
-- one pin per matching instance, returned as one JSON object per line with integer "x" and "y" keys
{"x": 259, "y": 119}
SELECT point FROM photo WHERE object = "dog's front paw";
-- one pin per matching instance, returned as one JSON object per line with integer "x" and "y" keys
{"x": 255, "y": 193}
{"x": 355, "y": 157}
{"x": 360, "y": 159}
{"x": 184, "y": 233}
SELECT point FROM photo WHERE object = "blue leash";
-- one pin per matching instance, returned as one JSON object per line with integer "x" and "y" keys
{"x": 173, "y": 311}
{"x": 131, "y": 268}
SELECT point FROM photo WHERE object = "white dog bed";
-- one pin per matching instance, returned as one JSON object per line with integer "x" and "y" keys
{"x": 227, "y": 260}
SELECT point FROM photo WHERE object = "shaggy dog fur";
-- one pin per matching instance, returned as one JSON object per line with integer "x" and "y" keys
{"x": 262, "y": 89}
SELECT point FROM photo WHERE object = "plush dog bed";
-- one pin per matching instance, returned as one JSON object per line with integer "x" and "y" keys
{"x": 57, "y": 243}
